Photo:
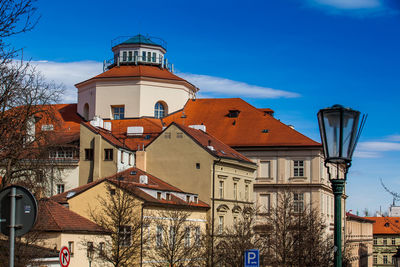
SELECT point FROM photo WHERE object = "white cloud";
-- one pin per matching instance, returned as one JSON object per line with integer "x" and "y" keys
{"x": 349, "y": 4}
{"x": 68, "y": 74}
{"x": 212, "y": 86}
{"x": 71, "y": 73}
{"x": 395, "y": 138}
{"x": 366, "y": 154}
{"x": 379, "y": 146}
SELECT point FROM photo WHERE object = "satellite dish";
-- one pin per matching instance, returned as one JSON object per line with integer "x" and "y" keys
{"x": 25, "y": 210}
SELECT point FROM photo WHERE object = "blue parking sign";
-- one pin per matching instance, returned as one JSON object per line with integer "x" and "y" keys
{"x": 252, "y": 258}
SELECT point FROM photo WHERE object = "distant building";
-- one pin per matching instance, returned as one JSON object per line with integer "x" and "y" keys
{"x": 386, "y": 240}
{"x": 358, "y": 240}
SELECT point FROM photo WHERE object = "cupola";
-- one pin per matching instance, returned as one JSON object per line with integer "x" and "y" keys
{"x": 138, "y": 50}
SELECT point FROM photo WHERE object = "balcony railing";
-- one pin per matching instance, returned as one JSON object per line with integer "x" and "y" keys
{"x": 137, "y": 60}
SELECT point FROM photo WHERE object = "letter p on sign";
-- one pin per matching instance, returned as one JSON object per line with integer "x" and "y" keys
{"x": 251, "y": 258}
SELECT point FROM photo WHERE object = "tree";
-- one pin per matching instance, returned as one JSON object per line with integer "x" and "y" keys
{"x": 178, "y": 241}
{"x": 295, "y": 235}
{"x": 24, "y": 100}
{"x": 234, "y": 241}
{"x": 120, "y": 215}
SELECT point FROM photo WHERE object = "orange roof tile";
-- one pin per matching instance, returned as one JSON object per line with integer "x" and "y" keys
{"x": 55, "y": 217}
{"x": 130, "y": 180}
{"x": 133, "y": 71}
{"x": 386, "y": 225}
{"x": 250, "y": 128}
{"x": 212, "y": 144}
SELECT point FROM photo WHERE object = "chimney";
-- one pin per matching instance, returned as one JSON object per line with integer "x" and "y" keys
{"x": 141, "y": 160}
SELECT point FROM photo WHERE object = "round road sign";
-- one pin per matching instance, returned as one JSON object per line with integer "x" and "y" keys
{"x": 25, "y": 210}
{"x": 65, "y": 257}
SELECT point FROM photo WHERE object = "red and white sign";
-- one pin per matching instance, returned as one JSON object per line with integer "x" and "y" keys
{"x": 65, "y": 257}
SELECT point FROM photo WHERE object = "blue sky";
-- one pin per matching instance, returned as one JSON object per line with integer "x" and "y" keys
{"x": 294, "y": 56}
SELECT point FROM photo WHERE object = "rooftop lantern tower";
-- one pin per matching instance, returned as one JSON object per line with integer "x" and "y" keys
{"x": 138, "y": 50}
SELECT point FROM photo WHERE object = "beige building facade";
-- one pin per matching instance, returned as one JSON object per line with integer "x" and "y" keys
{"x": 195, "y": 161}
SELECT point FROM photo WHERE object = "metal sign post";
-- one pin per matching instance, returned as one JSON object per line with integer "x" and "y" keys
{"x": 18, "y": 213}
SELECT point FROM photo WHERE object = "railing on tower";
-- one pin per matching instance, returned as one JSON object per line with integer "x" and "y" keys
{"x": 137, "y": 60}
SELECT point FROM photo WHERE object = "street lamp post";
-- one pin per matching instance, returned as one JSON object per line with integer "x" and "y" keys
{"x": 339, "y": 134}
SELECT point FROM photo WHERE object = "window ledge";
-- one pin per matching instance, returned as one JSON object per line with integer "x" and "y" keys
{"x": 298, "y": 178}
{"x": 264, "y": 179}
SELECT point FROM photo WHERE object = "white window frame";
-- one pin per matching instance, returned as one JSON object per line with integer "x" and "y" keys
{"x": 298, "y": 202}
{"x": 299, "y": 168}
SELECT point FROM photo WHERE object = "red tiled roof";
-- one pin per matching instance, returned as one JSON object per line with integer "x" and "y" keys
{"x": 130, "y": 180}
{"x": 139, "y": 71}
{"x": 107, "y": 135}
{"x": 207, "y": 141}
{"x": 250, "y": 128}
{"x": 386, "y": 225}
{"x": 151, "y": 129}
{"x": 55, "y": 217}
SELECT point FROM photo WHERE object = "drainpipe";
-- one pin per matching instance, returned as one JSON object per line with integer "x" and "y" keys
{"x": 213, "y": 213}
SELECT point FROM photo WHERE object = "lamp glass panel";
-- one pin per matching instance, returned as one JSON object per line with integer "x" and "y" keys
{"x": 332, "y": 133}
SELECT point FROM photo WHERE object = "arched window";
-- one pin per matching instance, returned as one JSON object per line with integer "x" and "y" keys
{"x": 160, "y": 110}
{"x": 86, "y": 111}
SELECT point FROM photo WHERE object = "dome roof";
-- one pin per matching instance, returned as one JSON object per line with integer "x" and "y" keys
{"x": 141, "y": 39}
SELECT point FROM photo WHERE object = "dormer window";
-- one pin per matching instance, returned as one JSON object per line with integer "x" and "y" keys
{"x": 187, "y": 199}
{"x": 158, "y": 195}
{"x": 168, "y": 196}
{"x": 234, "y": 113}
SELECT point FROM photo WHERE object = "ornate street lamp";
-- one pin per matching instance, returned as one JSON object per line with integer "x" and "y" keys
{"x": 339, "y": 134}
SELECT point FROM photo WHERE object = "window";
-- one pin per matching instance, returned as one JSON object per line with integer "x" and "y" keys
{"x": 375, "y": 259}
{"x": 298, "y": 170}
{"x": 118, "y": 113}
{"x": 158, "y": 195}
{"x": 187, "y": 199}
{"x": 124, "y": 56}
{"x": 71, "y": 246}
{"x": 264, "y": 169}
{"x": 167, "y": 135}
{"x": 197, "y": 165}
{"x": 130, "y": 56}
{"x": 234, "y": 220}
{"x": 159, "y": 110}
{"x": 196, "y": 199}
{"x": 125, "y": 235}
{"x": 130, "y": 159}
{"x": 375, "y": 241}
{"x": 187, "y": 237}
{"x": 235, "y": 191}
{"x": 393, "y": 241}
{"x": 179, "y": 135}
{"x": 89, "y": 154}
{"x": 146, "y": 234}
{"x": 264, "y": 203}
{"x": 135, "y": 55}
{"x": 108, "y": 154}
{"x": 144, "y": 56}
{"x": 298, "y": 203}
{"x": 197, "y": 235}
{"x": 246, "y": 192}
{"x": 159, "y": 235}
{"x": 385, "y": 259}
{"x": 149, "y": 56}
{"x": 89, "y": 249}
{"x": 47, "y": 127}
{"x": 60, "y": 188}
{"x": 220, "y": 224}
{"x": 154, "y": 57}
{"x": 101, "y": 248}
{"x": 61, "y": 154}
{"x": 384, "y": 241}
{"x": 122, "y": 156}
{"x": 221, "y": 189}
